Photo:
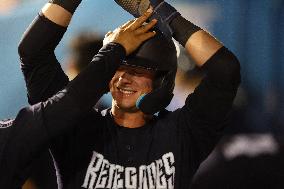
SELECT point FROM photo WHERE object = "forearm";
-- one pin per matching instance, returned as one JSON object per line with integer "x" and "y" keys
{"x": 199, "y": 44}
{"x": 42, "y": 71}
{"x": 213, "y": 98}
{"x": 40, "y": 40}
{"x": 93, "y": 81}
{"x": 60, "y": 11}
{"x": 35, "y": 126}
{"x": 57, "y": 14}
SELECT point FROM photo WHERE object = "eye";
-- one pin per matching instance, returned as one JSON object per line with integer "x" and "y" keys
{"x": 138, "y": 73}
{"x": 120, "y": 68}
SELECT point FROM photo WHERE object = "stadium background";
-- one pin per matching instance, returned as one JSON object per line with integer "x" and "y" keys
{"x": 252, "y": 29}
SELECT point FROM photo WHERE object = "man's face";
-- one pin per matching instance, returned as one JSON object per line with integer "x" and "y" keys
{"x": 128, "y": 84}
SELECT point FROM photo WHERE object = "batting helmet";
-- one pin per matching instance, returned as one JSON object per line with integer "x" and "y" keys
{"x": 158, "y": 54}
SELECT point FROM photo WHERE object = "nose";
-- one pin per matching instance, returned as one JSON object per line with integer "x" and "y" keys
{"x": 125, "y": 77}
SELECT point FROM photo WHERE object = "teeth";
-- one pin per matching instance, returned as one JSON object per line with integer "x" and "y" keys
{"x": 126, "y": 91}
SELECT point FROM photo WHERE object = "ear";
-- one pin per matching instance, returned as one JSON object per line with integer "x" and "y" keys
{"x": 160, "y": 97}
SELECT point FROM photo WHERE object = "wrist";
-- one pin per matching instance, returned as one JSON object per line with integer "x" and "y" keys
{"x": 164, "y": 13}
{"x": 118, "y": 48}
{"x": 69, "y": 5}
{"x": 183, "y": 29}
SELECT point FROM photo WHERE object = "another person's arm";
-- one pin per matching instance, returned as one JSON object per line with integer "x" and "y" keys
{"x": 212, "y": 100}
{"x": 42, "y": 71}
{"x": 35, "y": 127}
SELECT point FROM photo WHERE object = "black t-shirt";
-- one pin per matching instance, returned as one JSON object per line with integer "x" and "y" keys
{"x": 98, "y": 153}
{"x": 93, "y": 151}
{"x": 5, "y": 133}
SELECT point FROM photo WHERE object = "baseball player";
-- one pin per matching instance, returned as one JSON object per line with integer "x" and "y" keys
{"x": 136, "y": 143}
{"x": 36, "y": 126}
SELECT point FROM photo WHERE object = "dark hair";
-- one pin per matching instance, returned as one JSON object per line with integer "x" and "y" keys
{"x": 84, "y": 47}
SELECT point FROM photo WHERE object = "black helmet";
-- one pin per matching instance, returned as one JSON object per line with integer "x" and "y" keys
{"x": 158, "y": 54}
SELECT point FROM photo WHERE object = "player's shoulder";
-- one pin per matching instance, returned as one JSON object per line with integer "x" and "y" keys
{"x": 6, "y": 123}
{"x": 5, "y": 131}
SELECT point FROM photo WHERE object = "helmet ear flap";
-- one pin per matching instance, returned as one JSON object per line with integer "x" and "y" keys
{"x": 160, "y": 97}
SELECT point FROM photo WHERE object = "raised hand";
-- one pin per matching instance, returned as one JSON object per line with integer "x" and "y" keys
{"x": 133, "y": 33}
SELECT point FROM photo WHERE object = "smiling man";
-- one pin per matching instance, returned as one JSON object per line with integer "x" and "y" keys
{"x": 136, "y": 143}
{"x": 143, "y": 84}
{"x": 127, "y": 85}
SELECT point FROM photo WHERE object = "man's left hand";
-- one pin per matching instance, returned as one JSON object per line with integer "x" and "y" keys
{"x": 133, "y": 33}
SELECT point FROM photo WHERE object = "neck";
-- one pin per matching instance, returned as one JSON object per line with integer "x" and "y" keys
{"x": 133, "y": 119}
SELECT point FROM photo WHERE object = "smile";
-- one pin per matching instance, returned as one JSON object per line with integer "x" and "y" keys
{"x": 126, "y": 91}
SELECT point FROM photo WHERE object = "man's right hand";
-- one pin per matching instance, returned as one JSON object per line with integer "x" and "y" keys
{"x": 133, "y": 33}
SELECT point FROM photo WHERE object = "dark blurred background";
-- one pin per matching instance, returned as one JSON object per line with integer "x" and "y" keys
{"x": 250, "y": 154}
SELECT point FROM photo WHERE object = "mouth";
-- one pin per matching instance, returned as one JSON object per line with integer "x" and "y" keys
{"x": 126, "y": 91}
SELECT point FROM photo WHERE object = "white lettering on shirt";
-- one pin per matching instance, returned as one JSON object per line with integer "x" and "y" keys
{"x": 102, "y": 174}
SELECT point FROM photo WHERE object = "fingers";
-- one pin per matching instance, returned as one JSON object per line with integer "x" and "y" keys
{"x": 108, "y": 33}
{"x": 147, "y": 35}
{"x": 139, "y": 21}
{"x": 133, "y": 33}
{"x": 127, "y": 24}
{"x": 145, "y": 28}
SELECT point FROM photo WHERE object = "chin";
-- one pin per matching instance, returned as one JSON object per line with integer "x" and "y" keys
{"x": 127, "y": 108}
